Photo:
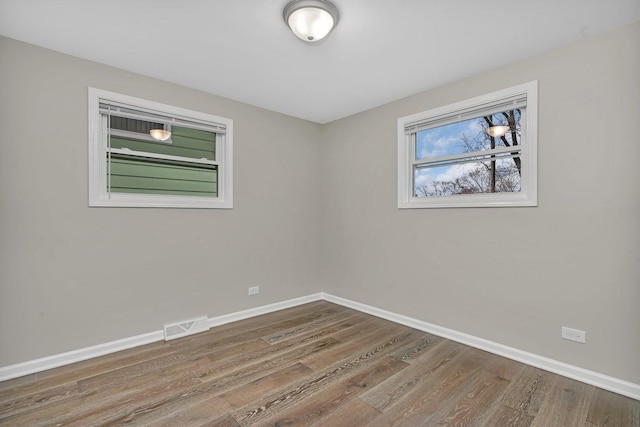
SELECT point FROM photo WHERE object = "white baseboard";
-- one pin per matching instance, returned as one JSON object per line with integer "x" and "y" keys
{"x": 252, "y": 312}
{"x": 589, "y": 377}
{"x": 597, "y": 379}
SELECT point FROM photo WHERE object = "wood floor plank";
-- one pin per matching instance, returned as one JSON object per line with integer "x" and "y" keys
{"x": 424, "y": 345}
{"x": 36, "y": 383}
{"x": 351, "y": 341}
{"x": 98, "y": 407}
{"x": 214, "y": 380}
{"x": 303, "y": 329}
{"x": 567, "y": 404}
{"x": 396, "y": 387}
{"x": 473, "y": 404}
{"x": 529, "y": 391}
{"x": 101, "y": 389}
{"x": 8, "y": 386}
{"x": 199, "y": 410}
{"x": 112, "y": 401}
{"x": 353, "y": 413}
{"x": 255, "y": 390}
{"x": 609, "y": 409}
{"x": 340, "y": 395}
{"x": 437, "y": 393}
{"x": 282, "y": 401}
{"x": 225, "y": 420}
{"x": 318, "y": 364}
{"x": 506, "y": 416}
{"x": 29, "y": 401}
{"x": 329, "y": 399}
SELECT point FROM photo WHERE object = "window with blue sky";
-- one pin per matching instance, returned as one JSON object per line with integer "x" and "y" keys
{"x": 460, "y": 158}
{"x": 479, "y": 152}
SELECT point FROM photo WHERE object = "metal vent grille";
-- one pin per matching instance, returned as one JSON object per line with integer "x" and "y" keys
{"x": 188, "y": 327}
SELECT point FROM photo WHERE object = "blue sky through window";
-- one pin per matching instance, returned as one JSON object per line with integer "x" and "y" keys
{"x": 459, "y": 138}
{"x": 445, "y": 140}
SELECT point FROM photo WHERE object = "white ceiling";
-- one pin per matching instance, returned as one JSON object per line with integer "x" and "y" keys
{"x": 381, "y": 50}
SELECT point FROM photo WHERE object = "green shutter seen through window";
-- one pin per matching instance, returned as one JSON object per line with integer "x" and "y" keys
{"x": 145, "y": 175}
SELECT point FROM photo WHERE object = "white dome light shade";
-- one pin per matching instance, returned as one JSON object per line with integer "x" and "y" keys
{"x": 497, "y": 131}
{"x": 160, "y": 134}
{"x": 311, "y": 20}
{"x": 310, "y": 24}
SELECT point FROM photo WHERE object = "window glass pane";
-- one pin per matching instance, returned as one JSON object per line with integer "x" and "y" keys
{"x": 469, "y": 136}
{"x": 132, "y": 174}
{"x": 185, "y": 142}
{"x": 499, "y": 176}
{"x": 128, "y": 167}
{"x": 134, "y": 125}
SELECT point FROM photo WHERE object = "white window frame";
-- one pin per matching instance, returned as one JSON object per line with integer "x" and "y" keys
{"x": 528, "y": 194}
{"x": 98, "y": 147}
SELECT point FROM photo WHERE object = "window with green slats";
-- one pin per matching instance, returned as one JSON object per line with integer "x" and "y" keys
{"x": 153, "y": 176}
{"x": 136, "y": 174}
{"x": 190, "y": 169}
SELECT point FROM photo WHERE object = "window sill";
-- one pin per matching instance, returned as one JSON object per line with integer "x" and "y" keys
{"x": 469, "y": 201}
{"x": 147, "y": 201}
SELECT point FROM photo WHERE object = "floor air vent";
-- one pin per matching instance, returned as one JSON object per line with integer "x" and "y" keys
{"x": 182, "y": 329}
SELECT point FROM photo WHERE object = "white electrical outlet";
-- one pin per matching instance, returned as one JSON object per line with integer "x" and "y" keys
{"x": 254, "y": 290}
{"x": 574, "y": 335}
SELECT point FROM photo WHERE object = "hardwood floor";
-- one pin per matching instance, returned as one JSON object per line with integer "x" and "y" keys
{"x": 316, "y": 364}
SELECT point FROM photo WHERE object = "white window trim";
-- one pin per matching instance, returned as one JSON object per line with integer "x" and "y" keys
{"x": 98, "y": 194}
{"x": 528, "y": 194}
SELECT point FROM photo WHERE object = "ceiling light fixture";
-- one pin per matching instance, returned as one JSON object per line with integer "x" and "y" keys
{"x": 498, "y": 131}
{"x": 311, "y": 20}
{"x": 160, "y": 134}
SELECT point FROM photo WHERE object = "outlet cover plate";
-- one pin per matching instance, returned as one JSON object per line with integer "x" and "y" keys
{"x": 574, "y": 335}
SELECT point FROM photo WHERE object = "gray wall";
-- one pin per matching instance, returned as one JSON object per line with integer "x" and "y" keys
{"x": 73, "y": 276}
{"x": 510, "y": 275}
{"x": 315, "y": 209}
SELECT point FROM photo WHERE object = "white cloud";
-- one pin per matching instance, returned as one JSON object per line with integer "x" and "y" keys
{"x": 442, "y": 141}
{"x": 446, "y": 173}
{"x": 456, "y": 171}
{"x": 439, "y": 146}
{"x": 423, "y": 178}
